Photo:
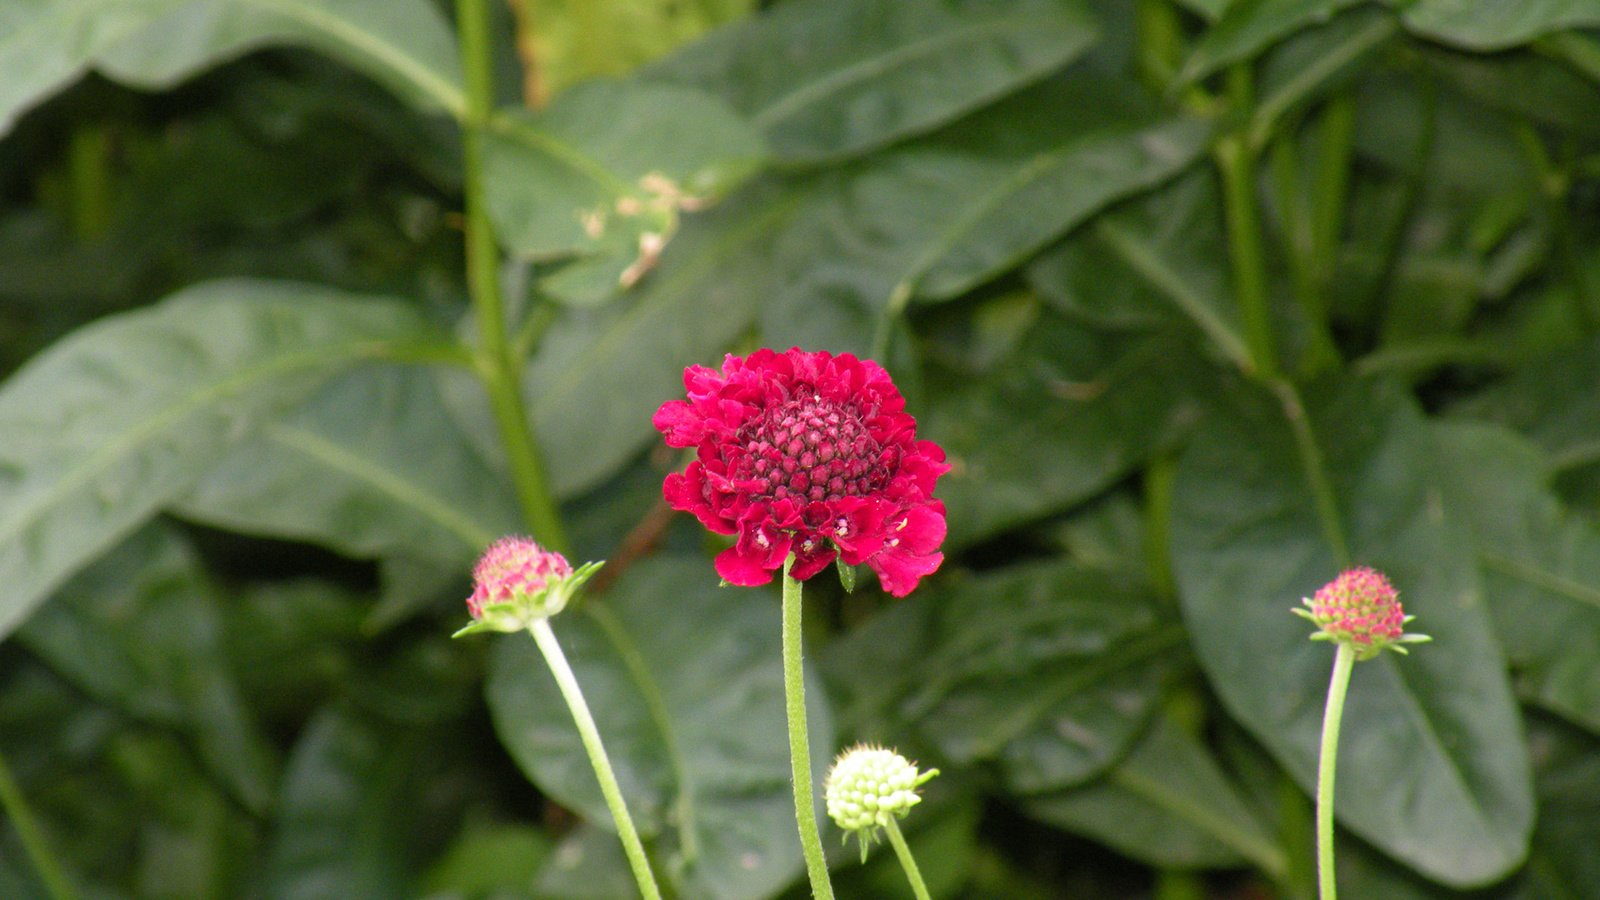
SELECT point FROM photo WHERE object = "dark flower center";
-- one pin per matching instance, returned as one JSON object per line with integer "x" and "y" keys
{"x": 810, "y": 450}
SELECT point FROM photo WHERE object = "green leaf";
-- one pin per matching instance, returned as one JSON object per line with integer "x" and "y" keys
{"x": 1496, "y": 24}
{"x": 824, "y": 79}
{"x": 1439, "y": 773}
{"x": 1169, "y": 804}
{"x": 371, "y": 466}
{"x": 1151, "y": 261}
{"x": 139, "y": 631}
{"x": 1247, "y": 27}
{"x": 156, "y": 43}
{"x": 1541, "y": 564}
{"x": 1315, "y": 62}
{"x": 1550, "y": 399}
{"x": 1070, "y": 413}
{"x": 119, "y": 418}
{"x": 498, "y": 860}
{"x": 1050, "y": 669}
{"x": 932, "y": 219}
{"x": 692, "y": 718}
{"x": 352, "y": 797}
{"x": 608, "y": 167}
{"x": 588, "y": 864}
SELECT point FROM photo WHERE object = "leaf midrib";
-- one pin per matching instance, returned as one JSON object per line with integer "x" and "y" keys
{"x": 387, "y": 481}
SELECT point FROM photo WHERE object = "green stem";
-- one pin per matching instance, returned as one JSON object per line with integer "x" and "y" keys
{"x": 1315, "y": 469}
{"x": 1331, "y": 720}
{"x": 33, "y": 843}
{"x": 545, "y": 637}
{"x": 794, "y": 694}
{"x": 1337, "y": 144}
{"x": 496, "y": 364}
{"x": 907, "y": 861}
{"x": 1236, "y": 159}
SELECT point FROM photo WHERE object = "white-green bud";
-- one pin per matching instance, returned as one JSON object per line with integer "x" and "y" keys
{"x": 866, "y": 786}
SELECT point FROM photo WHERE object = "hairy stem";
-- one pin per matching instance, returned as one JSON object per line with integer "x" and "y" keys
{"x": 907, "y": 861}
{"x": 794, "y": 694}
{"x": 497, "y": 366}
{"x": 545, "y": 637}
{"x": 1327, "y": 888}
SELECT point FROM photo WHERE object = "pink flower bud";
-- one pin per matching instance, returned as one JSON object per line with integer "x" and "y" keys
{"x": 1360, "y": 608}
{"x": 517, "y": 582}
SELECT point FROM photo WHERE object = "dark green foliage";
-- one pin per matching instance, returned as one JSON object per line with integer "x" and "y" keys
{"x": 1205, "y": 300}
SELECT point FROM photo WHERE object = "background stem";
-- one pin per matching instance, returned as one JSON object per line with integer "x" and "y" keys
{"x": 1236, "y": 160}
{"x": 497, "y": 366}
{"x": 1331, "y": 721}
{"x": 590, "y": 734}
{"x": 44, "y": 862}
{"x": 794, "y": 693}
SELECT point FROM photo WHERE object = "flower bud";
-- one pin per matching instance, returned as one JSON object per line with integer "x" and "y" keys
{"x": 517, "y": 582}
{"x": 867, "y": 785}
{"x": 1360, "y": 608}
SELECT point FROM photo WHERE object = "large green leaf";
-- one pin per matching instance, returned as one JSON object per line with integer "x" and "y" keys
{"x": 1051, "y": 670}
{"x": 1066, "y": 416}
{"x": 155, "y": 43}
{"x": 934, "y": 218}
{"x": 825, "y": 78}
{"x": 124, "y": 415}
{"x": 139, "y": 631}
{"x": 1496, "y": 24}
{"x": 692, "y": 718}
{"x": 1168, "y": 804}
{"x": 372, "y": 466}
{"x": 1435, "y": 769}
{"x": 353, "y": 797}
{"x": 1541, "y": 564}
{"x": 605, "y": 172}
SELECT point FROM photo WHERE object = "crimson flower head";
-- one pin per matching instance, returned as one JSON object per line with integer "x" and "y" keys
{"x": 1360, "y": 608}
{"x": 808, "y": 453}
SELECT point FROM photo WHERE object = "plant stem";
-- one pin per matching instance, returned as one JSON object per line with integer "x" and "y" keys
{"x": 545, "y": 637}
{"x": 44, "y": 862}
{"x": 794, "y": 695}
{"x": 1331, "y": 720}
{"x": 1236, "y": 160}
{"x": 497, "y": 366}
{"x": 907, "y": 861}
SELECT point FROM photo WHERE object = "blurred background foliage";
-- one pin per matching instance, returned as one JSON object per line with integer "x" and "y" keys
{"x": 1205, "y": 300}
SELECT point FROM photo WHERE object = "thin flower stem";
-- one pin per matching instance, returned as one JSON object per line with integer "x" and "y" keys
{"x": 794, "y": 694}
{"x": 1332, "y": 719}
{"x": 907, "y": 861}
{"x": 497, "y": 366}
{"x": 33, "y": 843}
{"x": 545, "y": 637}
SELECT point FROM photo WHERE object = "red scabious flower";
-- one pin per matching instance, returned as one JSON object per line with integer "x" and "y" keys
{"x": 810, "y": 453}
